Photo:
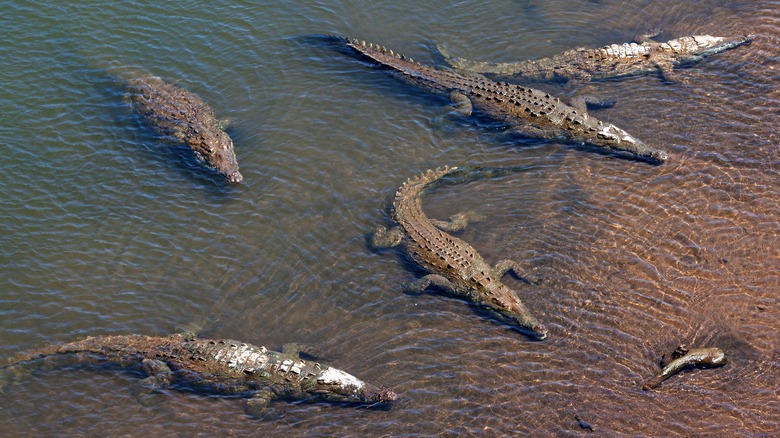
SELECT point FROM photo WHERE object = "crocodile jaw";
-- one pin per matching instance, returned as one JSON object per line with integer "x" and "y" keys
{"x": 709, "y": 44}
{"x": 516, "y": 314}
{"x": 222, "y": 156}
{"x": 530, "y": 325}
{"x": 336, "y": 385}
{"x": 612, "y": 137}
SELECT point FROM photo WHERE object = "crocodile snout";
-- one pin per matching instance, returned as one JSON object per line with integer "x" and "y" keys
{"x": 235, "y": 177}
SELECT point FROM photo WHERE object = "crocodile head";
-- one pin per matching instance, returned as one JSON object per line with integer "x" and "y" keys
{"x": 508, "y": 308}
{"x": 217, "y": 151}
{"x": 335, "y": 385}
{"x": 709, "y": 45}
{"x": 614, "y": 138}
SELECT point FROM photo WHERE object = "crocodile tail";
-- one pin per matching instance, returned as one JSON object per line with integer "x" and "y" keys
{"x": 101, "y": 345}
{"x": 411, "y": 189}
{"x": 382, "y": 54}
{"x": 30, "y": 356}
{"x": 23, "y": 364}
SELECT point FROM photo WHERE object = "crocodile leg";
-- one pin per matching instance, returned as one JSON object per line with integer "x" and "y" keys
{"x": 256, "y": 405}
{"x": 8, "y": 375}
{"x": 570, "y": 78}
{"x": 461, "y": 103}
{"x": 647, "y": 37}
{"x": 585, "y": 102}
{"x": 444, "y": 52}
{"x": 384, "y": 238}
{"x": 666, "y": 71}
{"x": 529, "y": 131}
{"x": 507, "y": 265}
{"x": 418, "y": 287}
{"x": 300, "y": 350}
{"x": 458, "y": 221}
{"x": 464, "y": 64}
{"x": 160, "y": 376}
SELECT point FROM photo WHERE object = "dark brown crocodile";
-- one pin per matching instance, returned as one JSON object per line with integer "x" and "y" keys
{"x": 223, "y": 367}
{"x": 526, "y": 110}
{"x": 684, "y": 358}
{"x": 453, "y": 264}
{"x": 615, "y": 60}
{"x": 184, "y": 117}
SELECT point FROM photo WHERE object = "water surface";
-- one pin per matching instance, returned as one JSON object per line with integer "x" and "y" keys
{"x": 105, "y": 230}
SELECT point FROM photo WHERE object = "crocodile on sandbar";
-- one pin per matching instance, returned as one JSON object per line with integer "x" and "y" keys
{"x": 213, "y": 366}
{"x": 453, "y": 265}
{"x": 528, "y": 111}
{"x": 184, "y": 117}
{"x": 580, "y": 65}
{"x": 687, "y": 358}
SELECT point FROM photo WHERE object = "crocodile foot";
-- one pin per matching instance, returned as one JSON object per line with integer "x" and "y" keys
{"x": 458, "y": 221}
{"x": 461, "y": 103}
{"x": 647, "y": 37}
{"x": 586, "y": 102}
{"x": 505, "y": 266}
{"x": 418, "y": 286}
{"x": 384, "y": 238}
{"x": 256, "y": 406}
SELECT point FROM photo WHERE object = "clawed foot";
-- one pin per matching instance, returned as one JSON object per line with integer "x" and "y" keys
{"x": 585, "y": 102}
{"x": 458, "y": 221}
{"x": 443, "y": 51}
{"x": 671, "y": 77}
{"x": 257, "y": 407}
{"x": 647, "y": 37}
{"x": 505, "y": 266}
{"x": 384, "y": 238}
{"x": 418, "y": 287}
{"x": 461, "y": 104}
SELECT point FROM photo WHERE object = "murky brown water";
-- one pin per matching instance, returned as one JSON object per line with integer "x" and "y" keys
{"x": 101, "y": 233}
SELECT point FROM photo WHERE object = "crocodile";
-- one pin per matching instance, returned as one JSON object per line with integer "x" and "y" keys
{"x": 687, "y": 358}
{"x": 644, "y": 56}
{"x": 213, "y": 366}
{"x": 184, "y": 117}
{"x": 527, "y": 111}
{"x": 453, "y": 265}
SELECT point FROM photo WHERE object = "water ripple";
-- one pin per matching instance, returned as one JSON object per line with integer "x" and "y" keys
{"x": 103, "y": 229}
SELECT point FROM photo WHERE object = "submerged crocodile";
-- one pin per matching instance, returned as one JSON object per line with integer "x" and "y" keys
{"x": 222, "y": 367}
{"x": 454, "y": 265}
{"x": 616, "y": 60}
{"x": 526, "y": 110}
{"x": 685, "y": 358}
{"x": 181, "y": 115}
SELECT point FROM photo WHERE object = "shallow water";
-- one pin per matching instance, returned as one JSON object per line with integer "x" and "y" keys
{"x": 104, "y": 230}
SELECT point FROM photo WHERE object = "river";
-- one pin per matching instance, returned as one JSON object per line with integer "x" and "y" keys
{"x": 104, "y": 230}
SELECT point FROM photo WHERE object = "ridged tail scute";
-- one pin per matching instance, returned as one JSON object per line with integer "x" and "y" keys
{"x": 420, "y": 75}
{"x": 410, "y": 190}
{"x": 378, "y": 53}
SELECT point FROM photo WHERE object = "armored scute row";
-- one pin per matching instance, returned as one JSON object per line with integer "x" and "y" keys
{"x": 236, "y": 368}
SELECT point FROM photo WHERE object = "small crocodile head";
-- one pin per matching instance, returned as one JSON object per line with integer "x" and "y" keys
{"x": 508, "y": 307}
{"x": 707, "y": 357}
{"x": 614, "y": 138}
{"x": 335, "y": 385}
{"x": 217, "y": 150}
